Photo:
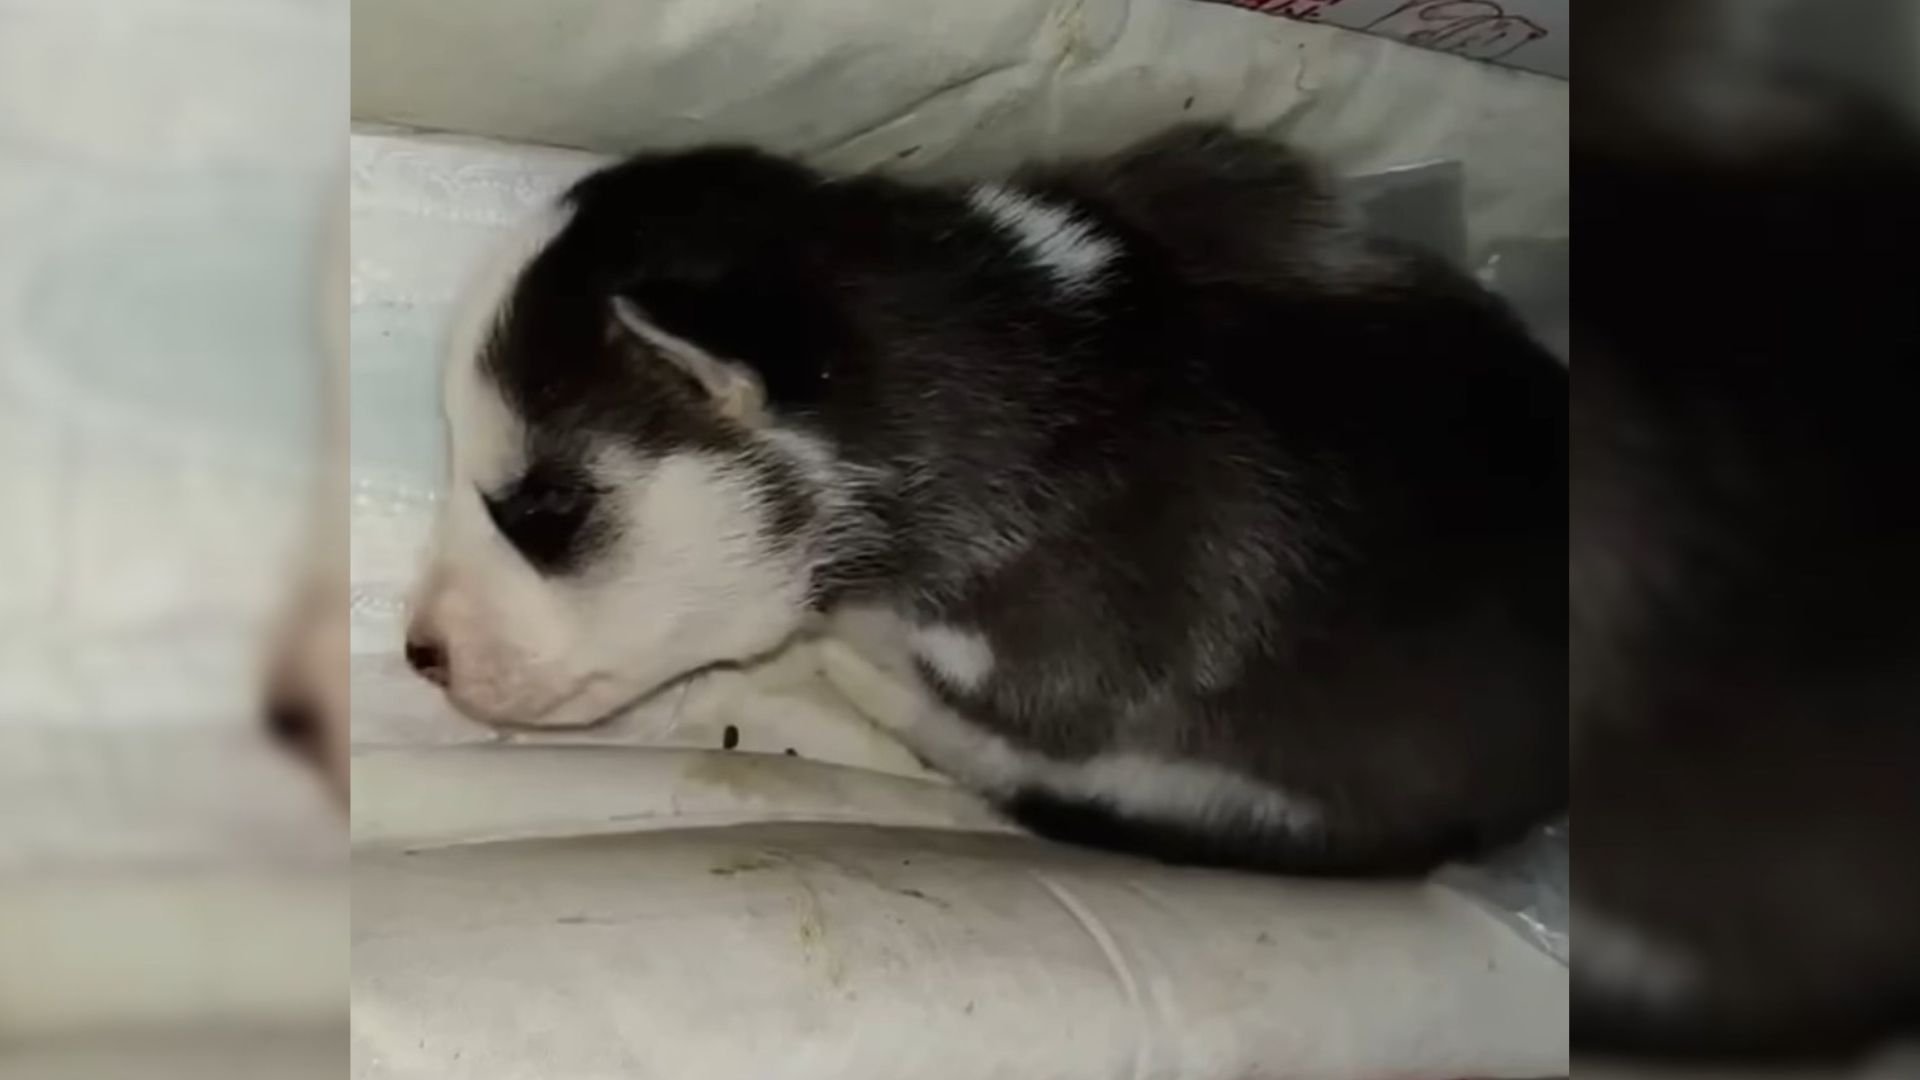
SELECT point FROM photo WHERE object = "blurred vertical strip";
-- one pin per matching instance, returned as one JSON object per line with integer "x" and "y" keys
{"x": 172, "y": 889}
{"x": 1743, "y": 581}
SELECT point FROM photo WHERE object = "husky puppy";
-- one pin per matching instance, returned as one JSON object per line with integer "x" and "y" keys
{"x": 1211, "y": 530}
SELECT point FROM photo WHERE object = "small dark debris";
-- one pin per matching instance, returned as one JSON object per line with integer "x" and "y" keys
{"x": 746, "y": 865}
{"x": 1188, "y": 105}
{"x": 907, "y": 153}
{"x": 790, "y": 752}
{"x": 730, "y": 738}
{"x": 1264, "y": 938}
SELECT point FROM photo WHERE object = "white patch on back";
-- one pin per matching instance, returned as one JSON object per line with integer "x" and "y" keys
{"x": 869, "y": 658}
{"x": 961, "y": 657}
{"x": 1071, "y": 251}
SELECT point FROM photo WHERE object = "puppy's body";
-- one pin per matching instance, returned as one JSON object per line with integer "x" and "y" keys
{"x": 1210, "y": 531}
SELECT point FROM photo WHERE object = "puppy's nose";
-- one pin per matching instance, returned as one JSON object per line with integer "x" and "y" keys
{"x": 429, "y": 658}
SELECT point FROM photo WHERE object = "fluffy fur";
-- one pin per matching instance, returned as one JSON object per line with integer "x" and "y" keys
{"x": 1211, "y": 529}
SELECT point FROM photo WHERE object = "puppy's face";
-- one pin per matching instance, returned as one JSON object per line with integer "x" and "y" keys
{"x": 620, "y": 508}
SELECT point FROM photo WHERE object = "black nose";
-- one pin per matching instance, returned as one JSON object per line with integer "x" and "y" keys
{"x": 429, "y": 659}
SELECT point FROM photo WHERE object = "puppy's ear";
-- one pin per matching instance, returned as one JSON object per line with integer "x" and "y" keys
{"x": 735, "y": 389}
{"x": 772, "y": 316}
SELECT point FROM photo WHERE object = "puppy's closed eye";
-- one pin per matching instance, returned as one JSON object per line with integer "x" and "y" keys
{"x": 547, "y": 515}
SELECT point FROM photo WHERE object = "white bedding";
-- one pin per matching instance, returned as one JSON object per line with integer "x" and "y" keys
{"x": 953, "y": 87}
{"x": 818, "y": 953}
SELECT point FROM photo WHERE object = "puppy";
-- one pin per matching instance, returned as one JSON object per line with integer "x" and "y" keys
{"x": 1207, "y": 529}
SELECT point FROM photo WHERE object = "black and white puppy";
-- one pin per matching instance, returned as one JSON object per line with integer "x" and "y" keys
{"x": 1212, "y": 530}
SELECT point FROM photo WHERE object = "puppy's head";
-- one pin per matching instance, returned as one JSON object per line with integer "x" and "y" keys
{"x": 636, "y": 490}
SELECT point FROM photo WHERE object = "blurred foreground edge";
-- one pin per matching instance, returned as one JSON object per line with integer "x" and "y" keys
{"x": 1744, "y": 545}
